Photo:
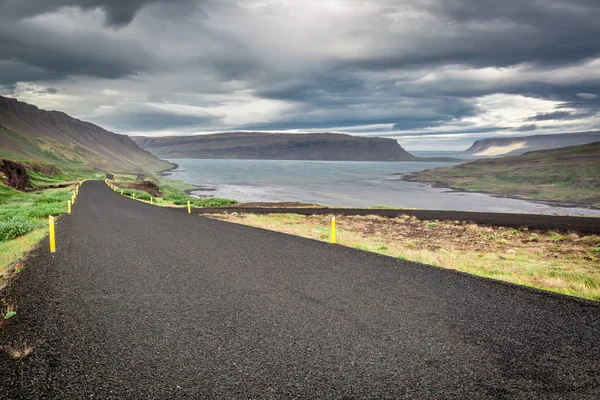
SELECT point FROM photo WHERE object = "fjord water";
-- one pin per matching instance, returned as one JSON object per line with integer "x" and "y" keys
{"x": 342, "y": 183}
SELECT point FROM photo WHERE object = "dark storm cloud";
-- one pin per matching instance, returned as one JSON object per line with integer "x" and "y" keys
{"x": 489, "y": 33}
{"x": 32, "y": 53}
{"x": 396, "y": 64}
{"x": 151, "y": 120}
{"x": 526, "y": 128}
{"x": 118, "y": 12}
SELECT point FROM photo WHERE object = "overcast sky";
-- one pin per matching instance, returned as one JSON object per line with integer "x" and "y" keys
{"x": 435, "y": 74}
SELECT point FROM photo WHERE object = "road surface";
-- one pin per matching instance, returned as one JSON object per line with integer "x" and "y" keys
{"x": 141, "y": 302}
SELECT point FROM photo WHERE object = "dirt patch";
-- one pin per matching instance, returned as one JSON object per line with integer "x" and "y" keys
{"x": 14, "y": 174}
{"x": 43, "y": 168}
{"x": 435, "y": 235}
{"x": 142, "y": 186}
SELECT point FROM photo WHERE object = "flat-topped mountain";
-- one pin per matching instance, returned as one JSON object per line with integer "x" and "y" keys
{"x": 28, "y": 133}
{"x": 277, "y": 146}
{"x": 520, "y": 145}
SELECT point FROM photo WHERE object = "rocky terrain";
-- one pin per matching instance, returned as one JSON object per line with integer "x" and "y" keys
{"x": 520, "y": 145}
{"x": 28, "y": 133}
{"x": 277, "y": 146}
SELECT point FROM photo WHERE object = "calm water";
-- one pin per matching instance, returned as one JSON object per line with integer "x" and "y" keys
{"x": 342, "y": 183}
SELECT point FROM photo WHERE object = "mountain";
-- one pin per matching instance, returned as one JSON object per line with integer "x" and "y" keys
{"x": 566, "y": 175}
{"x": 521, "y": 145}
{"x": 28, "y": 133}
{"x": 277, "y": 146}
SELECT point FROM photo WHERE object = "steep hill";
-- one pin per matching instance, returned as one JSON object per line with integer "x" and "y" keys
{"x": 277, "y": 146}
{"x": 568, "y": 175}
{"x": 520, "y": 145}
{"x": 28, "y": 133}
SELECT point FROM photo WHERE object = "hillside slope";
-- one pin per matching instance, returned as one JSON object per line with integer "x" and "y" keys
{"x": 28, "y": 133}
{"x": 277, "y": 146}
{"x": 521, "y": 145}
{"x": 568, "y": 175}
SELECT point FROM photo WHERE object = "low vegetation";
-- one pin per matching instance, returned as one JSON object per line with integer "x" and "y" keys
{"x": 560, "y": 262}
{"x": 567, "y": 175}
{"x": 172, "y": 196}
{"x": 24, "y": 220}
{"x": 19, "y": 351}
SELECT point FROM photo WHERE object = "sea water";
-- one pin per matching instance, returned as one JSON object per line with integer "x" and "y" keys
{"x": 344, "y": 184}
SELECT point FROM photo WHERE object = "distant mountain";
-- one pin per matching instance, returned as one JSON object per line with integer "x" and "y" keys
{"x": 277, "y": 146}
{"x": 567, "y": 175}
{"x": 28, "y": 133}
{"x": 520, "y": 145}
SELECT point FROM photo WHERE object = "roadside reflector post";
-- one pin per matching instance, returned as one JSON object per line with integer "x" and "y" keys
{"x": 69, "y": 207}
{"x": 52, "y": 234}
{"x": 189, "y": 208}
{"x": 133, "y": 195}
{"x": 333, "y": 239}
{"x": 150, "y": 199}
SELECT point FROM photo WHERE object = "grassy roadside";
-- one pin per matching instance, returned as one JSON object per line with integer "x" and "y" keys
{"x": 24, "y": 219}
{"x": 172, "y": 193}
{"x": 562, "y": 263}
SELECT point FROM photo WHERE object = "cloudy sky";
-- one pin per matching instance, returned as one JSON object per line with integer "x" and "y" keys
{"x": 435, "y": 74}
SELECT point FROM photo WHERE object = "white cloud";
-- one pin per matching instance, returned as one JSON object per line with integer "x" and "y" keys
{"x": 588, "y": 96}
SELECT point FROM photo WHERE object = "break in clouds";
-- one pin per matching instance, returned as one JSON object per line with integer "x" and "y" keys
{"x": 439, "y": 73}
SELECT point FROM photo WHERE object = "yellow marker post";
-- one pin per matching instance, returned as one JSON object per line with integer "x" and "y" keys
{"x": 333, "y": 230}
{"x": 189, "y": 208}
{"x": 121, "y": 193}
{"x": 52, "y": 234}
{"x": 150, "y": 199}
{"x": 69, "y": 207}
{"x": 133, "y": 195}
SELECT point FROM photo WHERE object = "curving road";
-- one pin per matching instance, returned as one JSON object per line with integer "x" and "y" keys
{"x": 142, "y": 302}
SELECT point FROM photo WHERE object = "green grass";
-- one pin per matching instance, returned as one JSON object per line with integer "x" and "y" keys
{"x": 172, "y": 196}
{"x": 32, "y": 209}
{"x": 9, "y": 194}
{"x": 174, "y": 185}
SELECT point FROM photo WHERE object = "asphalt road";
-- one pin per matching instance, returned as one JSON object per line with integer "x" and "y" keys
{"x": 142, "y": 302}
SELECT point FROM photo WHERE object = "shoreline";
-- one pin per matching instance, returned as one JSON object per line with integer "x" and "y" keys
{"x": 164, "y": 172}
{"x": 404, "y": 176}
